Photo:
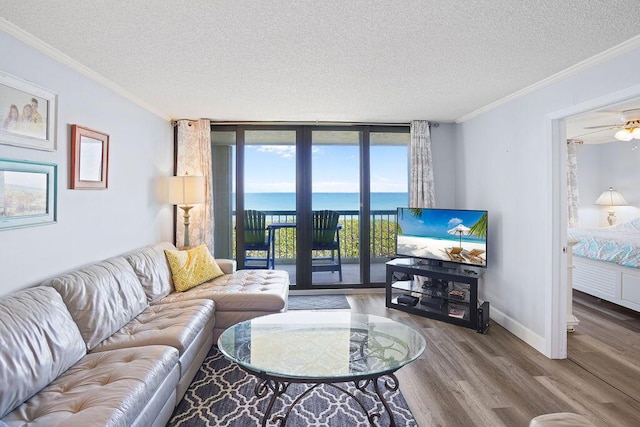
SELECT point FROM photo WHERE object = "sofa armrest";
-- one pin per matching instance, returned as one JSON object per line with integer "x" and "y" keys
{"x": 228, "y": 266}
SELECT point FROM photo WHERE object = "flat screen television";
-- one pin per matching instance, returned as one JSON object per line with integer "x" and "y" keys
{"x": 445, "y": 235}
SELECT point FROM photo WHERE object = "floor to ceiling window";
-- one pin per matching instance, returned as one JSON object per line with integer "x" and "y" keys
{"x": 389, "y": 189}
{"x": 335, "y": 186}
{"x": 269, "y": 184}
{"x": 223, "y": 153}
{"x": 299, "y": 178}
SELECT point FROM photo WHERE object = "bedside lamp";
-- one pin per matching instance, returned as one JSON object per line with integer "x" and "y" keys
{"x": 186, "y": 191}
{"x": 611, "y": 198}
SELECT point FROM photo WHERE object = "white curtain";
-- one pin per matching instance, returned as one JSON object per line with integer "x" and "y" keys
{"x": 421, "y": 187}
{"x": 572, "y": 182}
{"x": 194, "y": 157}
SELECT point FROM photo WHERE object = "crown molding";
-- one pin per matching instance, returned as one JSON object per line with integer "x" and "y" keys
{"x": 54, "y": 53}
{"x": 617, "y": 50}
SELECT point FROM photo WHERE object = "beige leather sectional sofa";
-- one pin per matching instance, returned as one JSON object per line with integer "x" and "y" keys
{"x": 112, "y": 344}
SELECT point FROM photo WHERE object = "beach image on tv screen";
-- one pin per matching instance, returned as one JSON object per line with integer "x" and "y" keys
{"x": 441, "y": 234}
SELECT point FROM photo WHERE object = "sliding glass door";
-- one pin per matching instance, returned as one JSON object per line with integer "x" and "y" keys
{"x": 389, "y": 189}
{"x": 267, "y": 177}
{"x": 328, "y": 195}
{"x": 223, "y": 153}
{"x": 335, "y": 186}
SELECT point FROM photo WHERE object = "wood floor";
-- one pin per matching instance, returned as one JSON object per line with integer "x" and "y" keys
{"x": 470, "y": 379}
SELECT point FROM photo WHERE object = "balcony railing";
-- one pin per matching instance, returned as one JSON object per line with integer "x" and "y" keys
{"x": 382, "y": 233}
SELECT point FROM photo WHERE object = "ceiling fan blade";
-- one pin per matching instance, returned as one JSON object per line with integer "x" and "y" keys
{"x": 604, "y": 126}
{"x": 586, "y": 134}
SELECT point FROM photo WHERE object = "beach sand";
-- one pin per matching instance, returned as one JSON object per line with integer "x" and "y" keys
{"x": 435, "y": 248}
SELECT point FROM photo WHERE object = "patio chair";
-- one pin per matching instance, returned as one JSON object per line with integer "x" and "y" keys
{"x": 256, "y": 239}
{"x": 474, "y": 256}
{"x": 326, "y": 237}
{"x": 455, "y": 254}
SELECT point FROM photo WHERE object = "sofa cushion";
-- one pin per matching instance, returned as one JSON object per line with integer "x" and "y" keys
{"x": 151, "y": 266}
{"x": 175, "y": 325}
{"x": 192, "y": 267}
{"x": 38, "y": 342}
{"x": 228, "y": 266}
{"x": 251, "y": 290}
{"x": 110, "y": 388}
{"x": 102, "y": 298}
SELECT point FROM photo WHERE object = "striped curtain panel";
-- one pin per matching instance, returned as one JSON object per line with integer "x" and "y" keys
{"x": 194, "y": 157}
{"x": 421, "y": 186}
{"x": 572, "y": 182}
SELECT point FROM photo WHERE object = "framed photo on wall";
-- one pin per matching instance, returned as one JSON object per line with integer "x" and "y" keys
{"x": 27, "y": 114}
{"x": 27, "y": 193}
{"x": 89, "y": 159}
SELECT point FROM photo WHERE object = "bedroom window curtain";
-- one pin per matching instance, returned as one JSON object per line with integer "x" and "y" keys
{"x": 421, "y": 186}
{"x": 572, "y": 182}
{"x": 194, "y": 157}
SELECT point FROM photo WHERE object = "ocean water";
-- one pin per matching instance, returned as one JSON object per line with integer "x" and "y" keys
{"x": 333, "y": 201}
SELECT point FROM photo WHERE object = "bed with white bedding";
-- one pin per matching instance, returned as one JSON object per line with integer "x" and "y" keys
{"x": 607, "y": 262}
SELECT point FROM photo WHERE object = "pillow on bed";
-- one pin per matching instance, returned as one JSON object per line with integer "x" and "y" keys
{"x": 631, "y": 226}
{"x": 192, "y": 267}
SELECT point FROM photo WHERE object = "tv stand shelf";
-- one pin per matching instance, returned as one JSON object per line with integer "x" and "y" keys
{"x": 449, "y": 294}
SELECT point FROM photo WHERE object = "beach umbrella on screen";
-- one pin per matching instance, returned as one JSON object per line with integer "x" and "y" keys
{"x": 459, "y": 229}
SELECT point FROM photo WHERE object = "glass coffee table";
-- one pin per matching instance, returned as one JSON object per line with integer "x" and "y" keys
{"x": 321, "y": 347}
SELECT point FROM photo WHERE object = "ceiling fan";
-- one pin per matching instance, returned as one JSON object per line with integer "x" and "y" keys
{"x": 629, "y": 130}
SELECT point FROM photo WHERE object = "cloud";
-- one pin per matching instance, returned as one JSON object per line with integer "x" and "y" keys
{"x": 454, "y": 221}
{"x": 284, "y": 151}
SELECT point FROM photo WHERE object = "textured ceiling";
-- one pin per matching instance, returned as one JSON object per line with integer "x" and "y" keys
{"x": 330, "y": 60}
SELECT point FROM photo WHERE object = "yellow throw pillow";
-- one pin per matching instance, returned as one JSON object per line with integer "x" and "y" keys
{"x": 192, "y": 267}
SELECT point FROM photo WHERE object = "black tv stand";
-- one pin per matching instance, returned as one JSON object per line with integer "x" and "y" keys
{"x": 438, "y": 290}
{"x": 427, "y": 262}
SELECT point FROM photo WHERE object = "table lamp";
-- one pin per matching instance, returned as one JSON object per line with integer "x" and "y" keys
{"x": 611, "y": 198}
{"x": 186, "y": 191}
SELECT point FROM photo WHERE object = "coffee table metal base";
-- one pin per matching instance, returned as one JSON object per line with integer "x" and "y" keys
{"x": 360, "y": 349}
{"x": 278, "y": 387}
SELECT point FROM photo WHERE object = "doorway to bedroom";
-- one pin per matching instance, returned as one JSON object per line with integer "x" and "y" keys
{"x": 603, "y": 216}
{"x": 603, "y": 198}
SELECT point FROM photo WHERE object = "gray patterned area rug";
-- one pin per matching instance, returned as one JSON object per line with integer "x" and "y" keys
{"x": 317, "y": 302}
{"x": 222, "y": 394}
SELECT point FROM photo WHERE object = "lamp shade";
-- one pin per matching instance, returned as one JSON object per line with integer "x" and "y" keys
{"x": 611, "y": 197}
{"x": 186, "y": 190}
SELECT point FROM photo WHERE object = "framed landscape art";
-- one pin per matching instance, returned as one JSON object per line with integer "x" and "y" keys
{"x": 27, "y": 193}
{"x": 28, "y": 114}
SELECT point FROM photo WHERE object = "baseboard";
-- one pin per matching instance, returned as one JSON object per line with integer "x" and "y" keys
{"x": 518, "y": 329}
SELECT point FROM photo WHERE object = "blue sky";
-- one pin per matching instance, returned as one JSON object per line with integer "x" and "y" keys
{"x": 26, "y": 179}
{"x": 271, "y": 168}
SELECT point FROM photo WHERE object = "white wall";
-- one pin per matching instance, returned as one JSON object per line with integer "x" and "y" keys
{"x": 91, "y": 225}
{"x": 504, "y": 165}
{"x": 442, "y": 146}
{"x": 601, "y": 166}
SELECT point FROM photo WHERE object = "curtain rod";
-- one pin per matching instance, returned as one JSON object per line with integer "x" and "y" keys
{"x": 316, "y": 123}
{"x": 174, "y": 122}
